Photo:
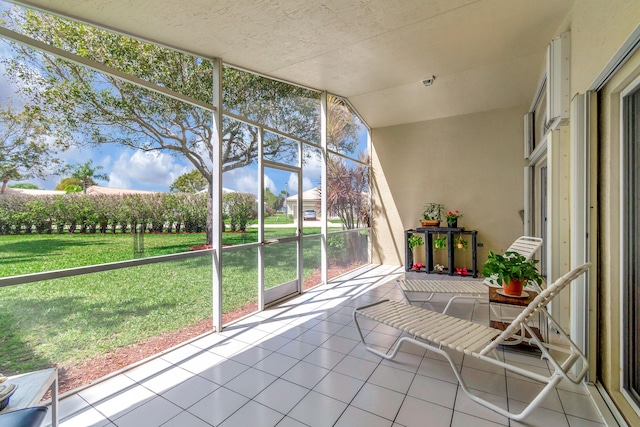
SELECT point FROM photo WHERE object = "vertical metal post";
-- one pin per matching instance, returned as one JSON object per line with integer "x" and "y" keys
{"x": 261, "y": 302}
{"x": 216, "y": 195}
{"x": 323, "y": 183}
{"x": 300, "y": 243}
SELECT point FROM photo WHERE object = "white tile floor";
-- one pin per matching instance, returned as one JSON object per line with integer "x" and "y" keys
{"x": 302, "y": 364}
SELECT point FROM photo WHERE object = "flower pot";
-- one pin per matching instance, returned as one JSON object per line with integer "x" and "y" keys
{"x": 430, "y": 222}
{"x": 453, "y": 223}
{"x": 514, "y": 287}
{"x": 460, "y": 246}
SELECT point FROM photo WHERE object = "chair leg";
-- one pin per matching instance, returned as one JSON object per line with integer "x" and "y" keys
{"x": 518, "y": 417}
{"x": 550, "y": 383}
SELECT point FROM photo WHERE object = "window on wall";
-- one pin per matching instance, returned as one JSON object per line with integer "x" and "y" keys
{"x": 535, "y": 149}
{"x": 631, "y": 290}
{"x": 535, "y": 119}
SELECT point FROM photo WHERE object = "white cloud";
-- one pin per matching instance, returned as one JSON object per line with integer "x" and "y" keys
{"x": 145, "y": 171}
{"x": 307, "y": 184}
{"x": 311, "y": 171}
{"x": 244, "y": 180}
{"x": 292, "y": 183}
{"x": 268, "y": 183}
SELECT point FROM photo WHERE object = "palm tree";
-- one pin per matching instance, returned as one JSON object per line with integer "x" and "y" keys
{"x": 86, "y": 173}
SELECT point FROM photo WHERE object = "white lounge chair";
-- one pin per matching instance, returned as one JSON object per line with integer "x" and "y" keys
{"x": 414, "y": 290}
{"x": 436, "y": 331}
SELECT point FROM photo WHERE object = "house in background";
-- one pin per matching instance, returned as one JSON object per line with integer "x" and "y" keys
{"x": 97, "y": 189}
{"x": 310, "y": 201}
{"x": 32, "y": 192}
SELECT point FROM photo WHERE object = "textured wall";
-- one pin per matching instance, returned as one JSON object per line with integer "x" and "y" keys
{"x": 473, "y": 163}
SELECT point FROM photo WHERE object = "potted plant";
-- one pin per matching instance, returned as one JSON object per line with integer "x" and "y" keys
{"x": 461, "y": 242}
{"x": 414, "y": 241}
{"x": 438, "y": 268}
{"x": 432, "y": 214}
{"x": 452, "y": 218}
{"x": 512, "y": 271}
{"x": 417, "y": 266}
{"x": 440, "y": 242}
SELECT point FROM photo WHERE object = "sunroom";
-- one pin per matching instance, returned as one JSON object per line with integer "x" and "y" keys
{"x": 521, "y": 115}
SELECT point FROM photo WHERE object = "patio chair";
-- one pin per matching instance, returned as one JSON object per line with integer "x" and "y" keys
{"x": 437, "y": 332}
{"x": 412, "y": 289}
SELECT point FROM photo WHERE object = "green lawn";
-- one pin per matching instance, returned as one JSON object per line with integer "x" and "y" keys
{"x": 279, "y": 218}
{"x": 65, "y": 321}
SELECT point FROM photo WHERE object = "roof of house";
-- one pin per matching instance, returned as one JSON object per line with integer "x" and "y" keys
{"x": 311, "y": 194}
{"x": 32, "y": 192}
{"x": 97, "y": 189}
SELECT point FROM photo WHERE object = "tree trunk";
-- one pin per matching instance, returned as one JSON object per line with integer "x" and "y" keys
{"x": 4, "y": 185}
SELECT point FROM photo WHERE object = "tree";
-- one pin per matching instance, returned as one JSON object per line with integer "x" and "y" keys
{"x": 281, "y": 199}
{"x": 71, "y": 183}
{"x": 347, "y": 189}
{"x": 104, "y": 109}
{"x": 190, "y": 182}
{"x": 24, "y": 152}
{"x": 26, "y": 185}
{"x": 86, "y": 174}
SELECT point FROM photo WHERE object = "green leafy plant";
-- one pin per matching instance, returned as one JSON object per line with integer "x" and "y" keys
{"x": 511, "y": 266}
{"x": 461, "y": 242}
{"x": 440, "y": 242}
{"x": 452, "y": 216}
{"x": 433, "y": 211}
{"x": 414, "y": 241}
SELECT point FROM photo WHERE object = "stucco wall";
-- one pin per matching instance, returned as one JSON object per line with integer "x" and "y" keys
{"x": 473, "y": 163}
{"x": 598, "y": 29}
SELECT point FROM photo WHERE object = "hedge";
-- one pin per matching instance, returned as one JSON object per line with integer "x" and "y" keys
{"x": 158, "y": 212}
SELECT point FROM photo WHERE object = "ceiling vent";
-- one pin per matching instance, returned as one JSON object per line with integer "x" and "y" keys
{"x": 428, "y": 81}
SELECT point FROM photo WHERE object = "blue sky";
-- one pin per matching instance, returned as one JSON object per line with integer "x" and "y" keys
{"x": 135, "y": 169}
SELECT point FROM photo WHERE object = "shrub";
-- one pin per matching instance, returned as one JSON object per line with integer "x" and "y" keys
{"x": 25, "y": 213}
{"x": 39, "y": 214}
{"x": 240, "y": 209}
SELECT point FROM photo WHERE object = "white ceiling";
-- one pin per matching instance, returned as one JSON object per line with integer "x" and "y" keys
{"x": 485, "y": 54}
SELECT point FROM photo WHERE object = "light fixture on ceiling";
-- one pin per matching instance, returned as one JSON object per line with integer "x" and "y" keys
{"x": 428, "y": 81}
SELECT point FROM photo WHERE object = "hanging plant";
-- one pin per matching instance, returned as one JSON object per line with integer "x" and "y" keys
{"x": 440, "y": 242}
{"x": 462, "y": 243}
{"x": 415, "y": 241}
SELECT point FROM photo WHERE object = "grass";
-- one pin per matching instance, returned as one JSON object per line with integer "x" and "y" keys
{"x": 65, "y": 321}
{"x": 68, "y": 320}
{"x": 278, "y": 218}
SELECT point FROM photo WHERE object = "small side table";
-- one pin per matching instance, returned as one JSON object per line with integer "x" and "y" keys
{"x": 496, "y": 298}
{"x": 32, "y": 387}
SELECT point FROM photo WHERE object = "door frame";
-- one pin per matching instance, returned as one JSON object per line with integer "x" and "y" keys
{"x": 268, "y": 297}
